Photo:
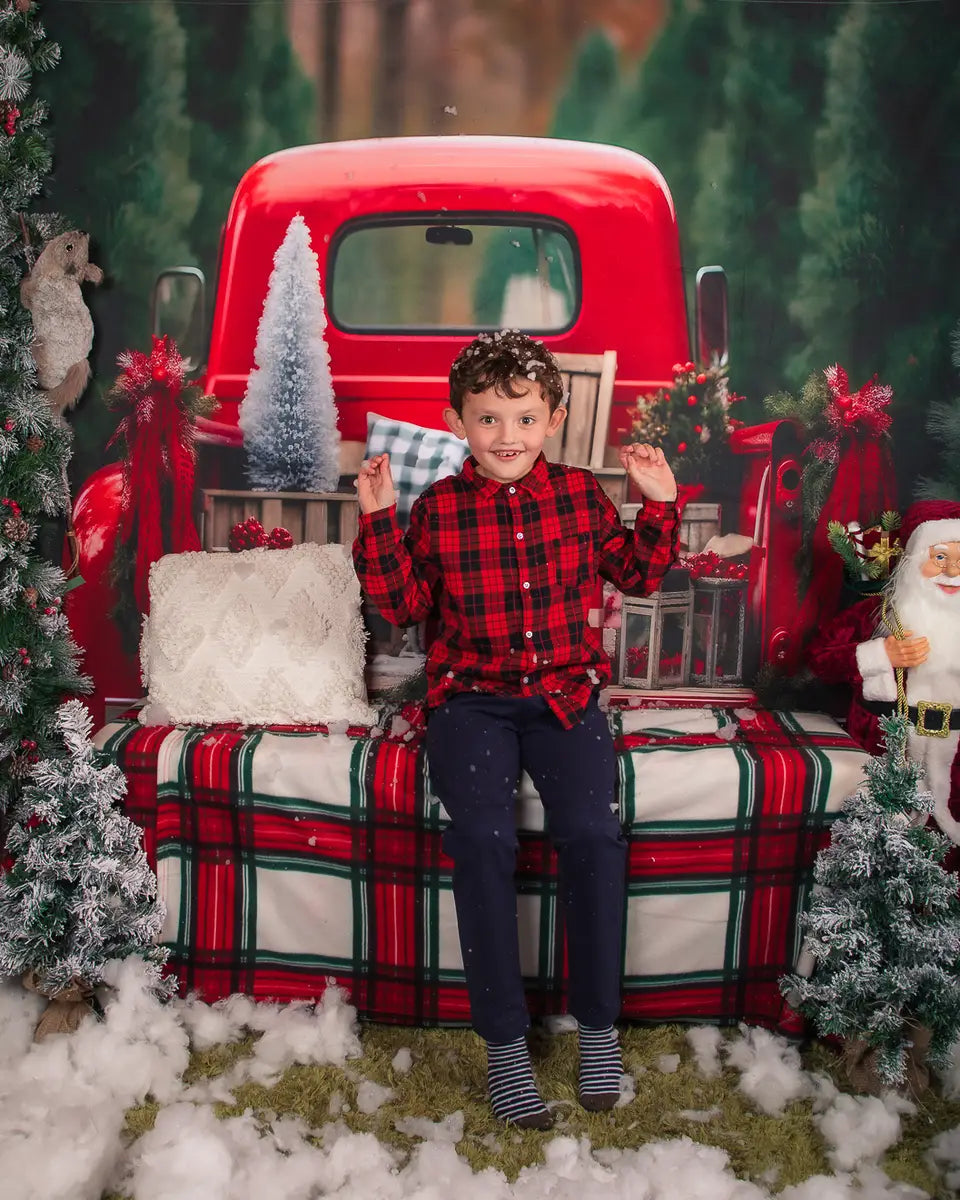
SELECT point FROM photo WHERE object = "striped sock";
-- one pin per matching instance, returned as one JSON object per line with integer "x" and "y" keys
{"x": 601, "y": 1065}
{"x": 513, "y": 1090}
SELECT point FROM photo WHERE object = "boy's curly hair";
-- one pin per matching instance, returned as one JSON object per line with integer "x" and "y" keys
{"x": 499, "y": 359}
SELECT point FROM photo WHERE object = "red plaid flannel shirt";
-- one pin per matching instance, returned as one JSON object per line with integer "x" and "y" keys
{"x": 509, "y": 572}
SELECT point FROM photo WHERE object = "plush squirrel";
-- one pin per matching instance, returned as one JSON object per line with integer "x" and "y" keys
{"x": 62, "y": 325}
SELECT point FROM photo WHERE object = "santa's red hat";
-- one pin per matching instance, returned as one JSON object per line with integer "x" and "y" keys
{"x": 930, "y": 521}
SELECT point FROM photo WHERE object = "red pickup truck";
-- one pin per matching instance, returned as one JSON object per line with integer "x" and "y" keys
{"x": 422, "y": 242}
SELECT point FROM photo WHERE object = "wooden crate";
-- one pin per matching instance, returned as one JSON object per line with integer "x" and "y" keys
{"x": 309, "y": 516}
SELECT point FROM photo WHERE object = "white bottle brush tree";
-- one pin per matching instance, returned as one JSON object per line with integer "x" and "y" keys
{"x": 78, "y": 890}
{"x": 884, "y": 930}
{"x": 288, "y": 415}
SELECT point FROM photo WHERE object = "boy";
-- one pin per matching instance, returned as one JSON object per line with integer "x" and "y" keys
{"x": 506, "y": 555}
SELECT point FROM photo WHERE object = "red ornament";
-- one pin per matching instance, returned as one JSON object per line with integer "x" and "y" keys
{"x": 677, "y": 368}
{"x": 280, "y": 538}
{"x": 682, "y": 448}
{"x": 247, "y": 535}
{"x": 691, "y": 401}
{"x": 8, "y": 425}
{"x": 698, "y": 429}
{"x": 690, "y": 366}
{"x": 701, "y": 378}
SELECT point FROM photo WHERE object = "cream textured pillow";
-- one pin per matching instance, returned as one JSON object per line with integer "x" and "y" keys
{"x": 263, "y": 637}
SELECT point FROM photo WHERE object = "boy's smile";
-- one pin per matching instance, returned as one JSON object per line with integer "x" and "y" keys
{"x": 505, "y": 435}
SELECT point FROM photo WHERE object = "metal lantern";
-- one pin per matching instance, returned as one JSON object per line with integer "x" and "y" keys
{"x": 719, "y": 620}
{"x": 655, "y": 638}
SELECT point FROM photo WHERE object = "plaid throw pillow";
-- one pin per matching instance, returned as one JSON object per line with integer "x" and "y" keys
{"x": 418, "y": 457}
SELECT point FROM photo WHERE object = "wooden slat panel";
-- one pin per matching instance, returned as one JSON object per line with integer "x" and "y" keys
{"x": 309, "y": 516}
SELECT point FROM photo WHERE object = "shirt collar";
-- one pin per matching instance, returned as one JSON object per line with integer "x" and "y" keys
{"x": 534, "y": 480}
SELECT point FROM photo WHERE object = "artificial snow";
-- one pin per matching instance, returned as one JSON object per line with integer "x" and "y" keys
{"x": 705, "y": 1041}
{"x": 402, "y": 1061}
{"x": 63, "y": 1105}
{"x": 668, "y": 1064}
{"x": 771, "y": 1076}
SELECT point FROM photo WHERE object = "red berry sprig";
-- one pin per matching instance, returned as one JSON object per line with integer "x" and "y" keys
{"x": 247, "y": 535}
{"x": 280, "y": 538}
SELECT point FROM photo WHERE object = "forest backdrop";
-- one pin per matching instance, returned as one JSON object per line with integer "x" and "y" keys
{"x": 811, "y": 149}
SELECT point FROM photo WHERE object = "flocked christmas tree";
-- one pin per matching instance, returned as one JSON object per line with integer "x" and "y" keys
{"x": 288, "y": 415}
{"x": 38, "y": 657}
{"x": 884, "y": 924}
{"x": 79, "y": 890}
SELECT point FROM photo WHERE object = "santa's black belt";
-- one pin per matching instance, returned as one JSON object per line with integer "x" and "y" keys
{"x": 930, "y": 718}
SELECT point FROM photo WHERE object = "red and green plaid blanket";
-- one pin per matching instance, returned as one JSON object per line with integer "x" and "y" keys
{"x": 287, "y": 857}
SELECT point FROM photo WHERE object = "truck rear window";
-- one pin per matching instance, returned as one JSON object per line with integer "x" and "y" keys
{"x": 454, "y": 273}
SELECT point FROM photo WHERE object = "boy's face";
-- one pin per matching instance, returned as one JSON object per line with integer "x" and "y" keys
{"x": 505, "y": 435}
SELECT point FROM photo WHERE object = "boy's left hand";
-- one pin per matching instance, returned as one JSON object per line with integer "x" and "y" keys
{"x": 649, "y": 470}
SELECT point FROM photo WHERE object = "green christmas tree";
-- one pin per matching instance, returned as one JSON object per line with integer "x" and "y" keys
{"x": 884, "y": 925}
{"x": 753, "y": 169}
{"x": 943, "y": 426}
{"x": 38, "y": 657}
{"x": 79, "y": 891}
{"x": 589, "y": 88}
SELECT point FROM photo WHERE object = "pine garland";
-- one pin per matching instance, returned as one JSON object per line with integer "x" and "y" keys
{"x": 38, "y": 657}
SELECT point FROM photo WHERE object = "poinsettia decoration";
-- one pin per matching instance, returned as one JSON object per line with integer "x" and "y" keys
{"x": 862, "y": 412}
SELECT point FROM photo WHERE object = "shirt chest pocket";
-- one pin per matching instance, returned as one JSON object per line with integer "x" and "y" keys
{"x": 574, "y": 561}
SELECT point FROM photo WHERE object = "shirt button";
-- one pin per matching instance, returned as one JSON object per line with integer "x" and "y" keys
{"x": 526, "y": 583}
{"x": 512, "y": 491}
{"x": 529, "y": 633}
{"x": 520, "y": 537}
{"x": 526, "y": 679}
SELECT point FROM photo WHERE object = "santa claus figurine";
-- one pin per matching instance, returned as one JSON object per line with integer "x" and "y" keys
{"x": 915, "y": 626}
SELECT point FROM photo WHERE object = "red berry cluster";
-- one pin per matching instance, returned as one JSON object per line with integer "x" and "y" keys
{"x": 10, "y": 114}
{"x": 713, "y": 566}
{"x": 25, "y": 659}
{"x": 249, "y": 534}
{"x": 12, "y": 505}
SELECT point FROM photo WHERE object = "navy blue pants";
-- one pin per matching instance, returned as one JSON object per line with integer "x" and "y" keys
{"x": 477, "y": 746}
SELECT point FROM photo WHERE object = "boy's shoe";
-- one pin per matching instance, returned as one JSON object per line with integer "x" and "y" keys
{"x": 601, "y": 1066}
{"x": 513, "y": 1090}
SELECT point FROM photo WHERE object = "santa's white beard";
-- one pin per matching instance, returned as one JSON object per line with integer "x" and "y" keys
{"x": 926, "y": 611}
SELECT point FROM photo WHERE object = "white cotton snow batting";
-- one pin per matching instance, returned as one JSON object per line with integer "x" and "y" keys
{"x": 558, "y": 1023}
{"x": 944, "y": 1155}
{"x": 20, "y": 1011}
{"x": 668, "y": 1064}
{"x": 208, "y": 1024}
{"x": 190, "y": 1155}
{"x": 371, "y": 1096}
{"x": 63, "y": 1102}
{"x": 450, "y": 1129}
{"x": 771, "y": 1075}
{"x": 402, "y": 1061}
{"x": 858, "y": 1129}
{"x": 705, "y": 1041}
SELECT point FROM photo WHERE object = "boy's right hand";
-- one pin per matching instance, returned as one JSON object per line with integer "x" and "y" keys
{"x": 375, "y": 489}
